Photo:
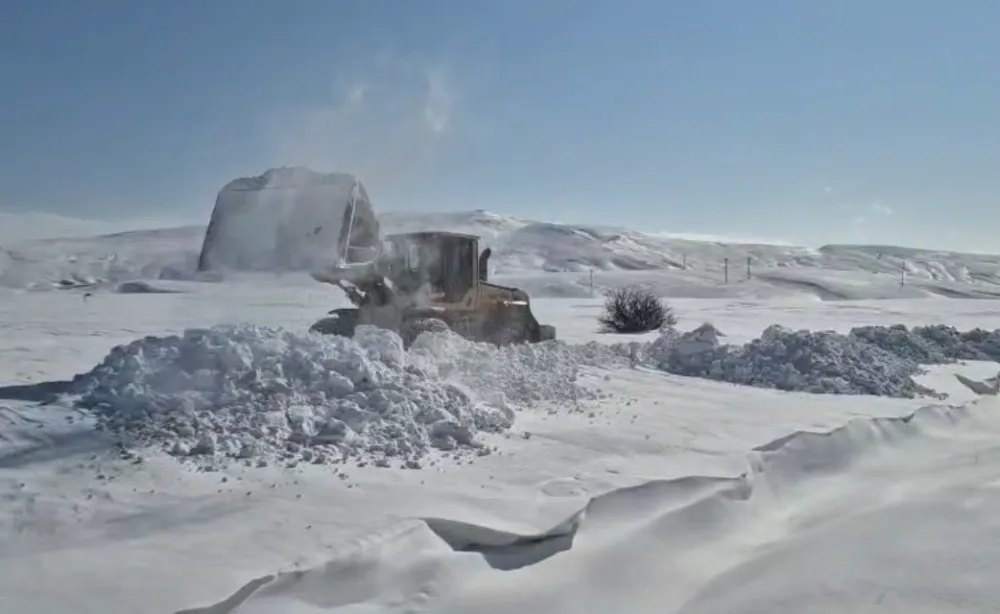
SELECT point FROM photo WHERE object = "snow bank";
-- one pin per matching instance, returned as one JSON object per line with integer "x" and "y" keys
{"x": 261, "y": 394}
{"x": 936, "y": 344}
{"x": 265, "y": 395}
{"x": 873, "y": 360}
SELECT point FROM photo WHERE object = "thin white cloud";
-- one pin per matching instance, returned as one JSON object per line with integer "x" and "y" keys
{"x": 438, "y": 102}
{"x": 383, "y": 119}
{"x": 881, "y": 209}
{"x": 877, "y": 210}
{"x": 356, "y": 93}
{"x": 724, "y": 238}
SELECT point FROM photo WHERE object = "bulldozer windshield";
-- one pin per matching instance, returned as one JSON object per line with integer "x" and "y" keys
{"x": 444, "y": 263}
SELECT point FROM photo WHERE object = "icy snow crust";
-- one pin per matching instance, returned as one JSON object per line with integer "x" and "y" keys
{"x": 261, "y": 395}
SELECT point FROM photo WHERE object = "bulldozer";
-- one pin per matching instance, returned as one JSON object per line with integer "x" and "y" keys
{"x": 425, "y": 281}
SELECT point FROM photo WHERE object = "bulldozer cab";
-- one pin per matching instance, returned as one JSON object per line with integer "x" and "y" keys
{"x": 430, "y": 277}
{"x": 445, "y": 263}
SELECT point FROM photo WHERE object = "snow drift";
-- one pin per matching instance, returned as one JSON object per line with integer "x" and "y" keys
{"x": 698, "y": 543}
{"x": 285, "y": 219}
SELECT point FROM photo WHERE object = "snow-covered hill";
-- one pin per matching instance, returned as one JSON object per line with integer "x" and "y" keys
{"x": 520, "y": 245}
{"x": 555, "y": 260}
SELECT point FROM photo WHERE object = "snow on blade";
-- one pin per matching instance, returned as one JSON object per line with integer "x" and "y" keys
{"x": 285, "y": 219}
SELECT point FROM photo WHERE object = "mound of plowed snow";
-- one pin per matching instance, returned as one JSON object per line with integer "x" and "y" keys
{"x": 875, "y": 360}
{"x": 935, "y": 344}
{"x": 261, "y": 394}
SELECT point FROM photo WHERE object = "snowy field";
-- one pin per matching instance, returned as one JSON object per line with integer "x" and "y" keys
{"x": 249, "y": 467}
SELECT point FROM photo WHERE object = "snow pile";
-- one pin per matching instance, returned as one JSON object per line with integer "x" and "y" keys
{"x": 806, "y": 361}
{"x": 262, "y": 394}
{"x": 875, "y": 360}
{"x": 934, "y": 344}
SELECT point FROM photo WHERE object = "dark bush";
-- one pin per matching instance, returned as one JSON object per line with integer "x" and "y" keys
{"x": 633, "y": 309}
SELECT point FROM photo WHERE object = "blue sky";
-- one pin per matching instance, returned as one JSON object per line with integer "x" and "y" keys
{"x": 811, "y": 122}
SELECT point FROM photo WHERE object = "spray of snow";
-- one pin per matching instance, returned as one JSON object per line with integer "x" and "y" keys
{"x": 515, "y": 375}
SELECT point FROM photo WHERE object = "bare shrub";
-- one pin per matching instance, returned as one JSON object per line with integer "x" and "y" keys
{"x": 633, "y": 309}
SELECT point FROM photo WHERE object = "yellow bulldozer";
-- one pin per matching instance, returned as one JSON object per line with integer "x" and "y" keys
{"x": 425, "y": 281}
